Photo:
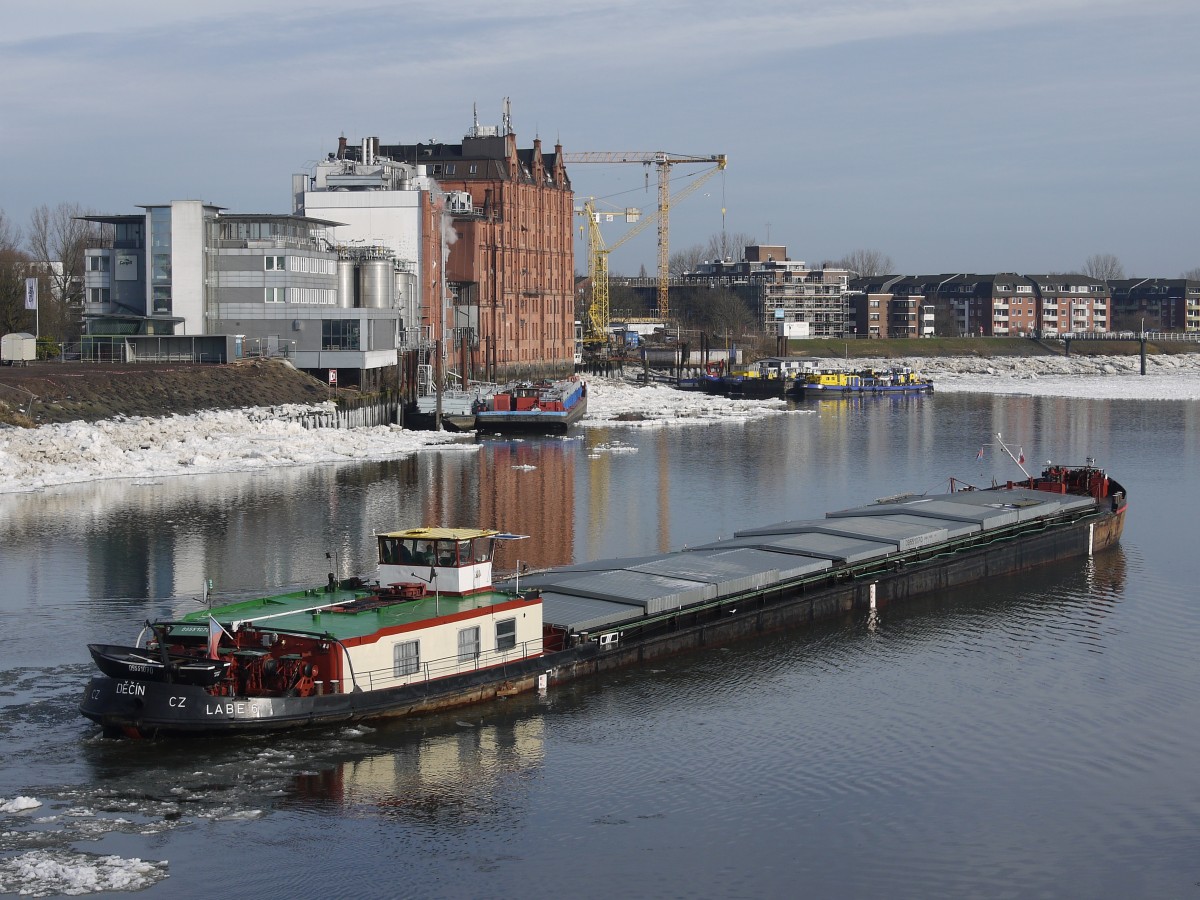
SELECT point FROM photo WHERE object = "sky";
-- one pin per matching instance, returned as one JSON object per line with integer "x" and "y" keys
{"x": 950, "y": 135}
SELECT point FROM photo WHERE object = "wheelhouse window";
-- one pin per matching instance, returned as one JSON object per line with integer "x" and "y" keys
{"x": 389, "y": 551}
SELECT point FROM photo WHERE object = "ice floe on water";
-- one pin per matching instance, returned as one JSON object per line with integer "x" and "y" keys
{"x": 45, "y": 873}
{"x": 19, "y": 804}
{"x": 45, "y": 868}
{"x": 615, "y": 402}
{"x": 206, "y": 443}
{"x": 1168, "y": 377}
{"x": 219, "y": 441}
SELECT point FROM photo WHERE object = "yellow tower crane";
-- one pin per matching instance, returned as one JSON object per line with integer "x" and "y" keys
{"x": 596, "y": 327}
{"x": 663, "y": 162}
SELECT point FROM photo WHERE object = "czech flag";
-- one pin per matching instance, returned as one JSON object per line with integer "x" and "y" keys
{"x": 214, "y": 636}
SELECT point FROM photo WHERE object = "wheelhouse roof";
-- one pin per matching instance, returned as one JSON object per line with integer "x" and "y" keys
{"x": 440, "y": 534}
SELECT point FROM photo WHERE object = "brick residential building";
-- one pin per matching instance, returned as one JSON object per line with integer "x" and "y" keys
{"x": 1158, "y": 304}
{"x": 1070, "y": 304}
{"x": 509, "y": 253}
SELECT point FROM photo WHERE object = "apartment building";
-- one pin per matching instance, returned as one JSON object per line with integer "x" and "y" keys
{"x": 1070, "y": 304}
{"x": 789, "y": 298}
{"x": 994, "y": 305}
{"x": 890, "y": 306}
{"x": 1156, "y": 304}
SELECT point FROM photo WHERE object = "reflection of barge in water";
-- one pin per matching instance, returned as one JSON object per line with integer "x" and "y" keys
{"x": 355, "y": 651}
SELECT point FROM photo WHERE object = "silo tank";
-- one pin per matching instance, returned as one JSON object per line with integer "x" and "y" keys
{"x": 347, "y": 283}
{"x": 376, "y": 283}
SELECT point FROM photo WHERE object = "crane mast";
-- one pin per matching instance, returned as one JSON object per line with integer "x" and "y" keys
{"x": 663, "y": 162}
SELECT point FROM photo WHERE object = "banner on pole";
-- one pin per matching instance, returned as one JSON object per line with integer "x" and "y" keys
{"x": 31, "y": 288}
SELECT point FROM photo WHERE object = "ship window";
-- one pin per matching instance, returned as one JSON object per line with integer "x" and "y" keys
{"x": 506, "y": 634}
{"x": 406, "y": 658}
{"x": 464, "y": 553}
{"x": 423, "y": 552}
{"x": 483, "y": 549}
{"x": 389, "y": 551}
{"x": 468, "y": 643}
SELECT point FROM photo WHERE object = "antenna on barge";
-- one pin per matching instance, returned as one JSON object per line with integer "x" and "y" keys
{"x": 1020, "y": 462}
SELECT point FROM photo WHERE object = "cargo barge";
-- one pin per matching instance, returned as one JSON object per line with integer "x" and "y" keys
{"x": 549, "y": 407}
{"x": 432, "y": 632}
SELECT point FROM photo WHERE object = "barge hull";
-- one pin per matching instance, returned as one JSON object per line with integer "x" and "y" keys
{"x": 149, "y": 709}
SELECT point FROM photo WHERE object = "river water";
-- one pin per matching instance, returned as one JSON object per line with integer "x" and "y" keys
{"x": 1032, "y": 736}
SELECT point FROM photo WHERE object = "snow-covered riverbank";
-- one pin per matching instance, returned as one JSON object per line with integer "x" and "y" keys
{"x": 249, "y": 440}
{"x": 1175, "y": 377}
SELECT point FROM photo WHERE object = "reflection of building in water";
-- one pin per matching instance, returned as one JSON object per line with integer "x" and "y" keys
{"x": 531, "y": 491}
{"x": 1061, "y": 429}
{"x": 438, "y": 773}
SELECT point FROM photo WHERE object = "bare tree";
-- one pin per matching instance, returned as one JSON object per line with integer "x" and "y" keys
{"x": 1104, "y": 266}
{"x": 687, "y": 260}
{"x": 731, "y": 247}
{"x": 1191, "y": 274}
{"x": 58, "y": 239}
{"x": 717, "y": 311}
{"x": 14, "y": 268}
{"x": 723, "y": 246}
{"x": 866, "y": 263}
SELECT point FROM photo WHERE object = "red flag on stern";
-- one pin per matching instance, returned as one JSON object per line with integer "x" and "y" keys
{"x": 214, "y": 636}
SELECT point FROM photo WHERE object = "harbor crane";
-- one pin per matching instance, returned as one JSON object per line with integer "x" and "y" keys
{"x": 598, "y": 253}
{"x": 596, "y": 327}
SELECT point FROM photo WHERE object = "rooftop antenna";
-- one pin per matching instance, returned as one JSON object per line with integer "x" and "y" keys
{"x": 506, "y": 118}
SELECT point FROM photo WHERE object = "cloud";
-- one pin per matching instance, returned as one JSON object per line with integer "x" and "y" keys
{"x": 835, "y": 115}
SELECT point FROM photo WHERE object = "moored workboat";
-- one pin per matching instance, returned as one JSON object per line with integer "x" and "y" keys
{"x": 864, "y": 381}
{"x": 453, "y": 409}
{"x": 867, "y": 381}
{"x": 432, "y": 632}
{"x": 532, "y": 406}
